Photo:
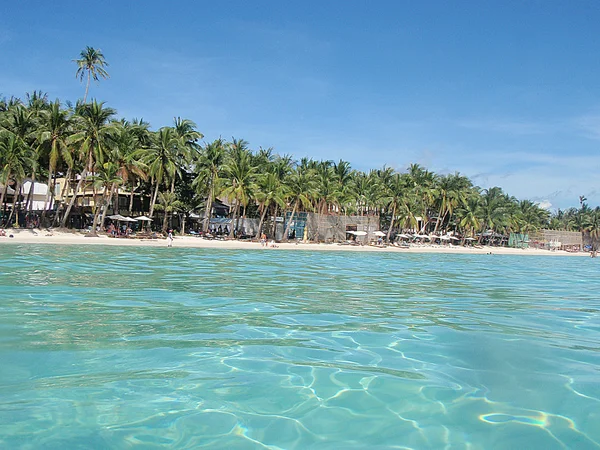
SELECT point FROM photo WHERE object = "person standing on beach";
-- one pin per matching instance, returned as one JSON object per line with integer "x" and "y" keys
{"x": 170, "y": 239}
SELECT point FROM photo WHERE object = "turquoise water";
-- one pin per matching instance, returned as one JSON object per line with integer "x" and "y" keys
{"x": 189, "y": 348}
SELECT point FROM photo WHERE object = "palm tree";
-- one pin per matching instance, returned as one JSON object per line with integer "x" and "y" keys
{"x": 106, "y": 178}
{"x": 468, "y": 214}
{"x": 91, "y": 62}
{"x": 396, "y": 191}
{"x": 240, "y": 178}
{"x": 209, "y": 166}
{"x": 161, "y": 160}
{"x": 95, "y": 134}
{"x": 302, "y": 186}
{"x": 168, "y": 202}
{"x": 270, "y": 190}
{"x": 55, "y": 128}
{"x": 592, "y": 226}
{"x": 15, "y": 160}
{"x": 126, "y": 155}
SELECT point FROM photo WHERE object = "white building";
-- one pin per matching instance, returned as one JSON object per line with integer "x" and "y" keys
{"x": 39, "y": 195}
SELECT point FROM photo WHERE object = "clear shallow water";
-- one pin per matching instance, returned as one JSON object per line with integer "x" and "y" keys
{"x": 189, "y": 348}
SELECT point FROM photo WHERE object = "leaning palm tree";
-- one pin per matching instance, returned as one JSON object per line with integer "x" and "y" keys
{"x": 107, "y": 179}
{"x": 91, "y": 63}
{"x": 94, "y": 137}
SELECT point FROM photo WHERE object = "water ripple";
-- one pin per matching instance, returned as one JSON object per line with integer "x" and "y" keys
{"x": 190, "y": 348}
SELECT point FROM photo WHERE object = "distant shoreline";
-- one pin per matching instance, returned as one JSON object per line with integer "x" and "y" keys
{"x": 66, "y": 238}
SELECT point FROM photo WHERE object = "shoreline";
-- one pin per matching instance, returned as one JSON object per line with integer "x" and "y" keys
{"x": 75, "y": 238}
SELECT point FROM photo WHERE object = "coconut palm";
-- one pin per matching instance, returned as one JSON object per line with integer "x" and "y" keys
{"x": 15, "y": 159}
{"x": 161, "y": 160}
{"x": 269, "y": 191}
{"x": 302, "y": 188}
{"x": 468, "y": 214}
{"x": 54, "y": 128}
{"x": 239, "y": 183}
{"x": 90, "y": 65}
{"x": 106, "y": 178}
{"x": 209, "y": 166}
{"x": 168, "y": 203}
{"x": 93, "y": 138}
{"x": 395, "y": 191}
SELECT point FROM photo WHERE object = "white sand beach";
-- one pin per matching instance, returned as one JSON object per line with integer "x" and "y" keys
{"x": 76, "y": 238}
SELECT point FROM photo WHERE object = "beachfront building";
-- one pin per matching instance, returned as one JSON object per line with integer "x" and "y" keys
{"x": 557, "y": 240}
{"x": 332, "y": 228}
{"x": 88, "y": 197}
{"x": 38, "y": 195}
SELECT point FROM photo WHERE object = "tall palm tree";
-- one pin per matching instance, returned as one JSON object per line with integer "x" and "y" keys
{"x": 209, "y": 167}
{"x": 396, "y": 193}
{"x": 270, "y": 190}
{"x": 108, "y": 180}
{"x": 90, "y": 65}
{"x": 240, "y": 178}
{"x": 469, "y": 214}
{"x": 302, "y": 186}
{"x": 94, "y": 135}
{"x": 161, "y": 158}
{"x": 55, "y": 128}
{"x": 15, "y": 160}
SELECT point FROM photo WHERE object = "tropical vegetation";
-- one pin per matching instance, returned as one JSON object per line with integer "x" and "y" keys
{"x": 178, "y": 174}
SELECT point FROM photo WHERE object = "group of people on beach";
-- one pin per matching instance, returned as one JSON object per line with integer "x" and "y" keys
{"x": 265, "y": 243}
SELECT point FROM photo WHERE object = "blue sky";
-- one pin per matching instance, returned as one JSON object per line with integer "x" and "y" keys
{"x": 505, "y": 92}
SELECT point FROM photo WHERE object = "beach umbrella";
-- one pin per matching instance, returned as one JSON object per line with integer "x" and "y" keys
{"x": 404, "y": 236}
{"x": 454, "y": 238}
{"x": 379, "y": 233}
{"x": 445, "y": 238}
{"x": 143, "y": 219}
{"x": 116, "y": 217}
{"x": 360, "y": 233}
{"x": 470, "y": 239}
{"x": 128, "y": 219}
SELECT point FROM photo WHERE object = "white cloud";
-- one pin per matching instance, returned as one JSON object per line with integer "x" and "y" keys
{"x": 544, "y": 204}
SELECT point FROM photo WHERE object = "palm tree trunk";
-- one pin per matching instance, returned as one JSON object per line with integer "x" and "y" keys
{"x": 99, "y": 208}
{"x": 63, "y": 195}
{"x": 233, "y": 219}
{"x": 14, "y": 205}
{"x": 4, "y": 191}
{"x": 262, "y": 219}
{"x": 105, "y": 206}
{"x": 182, "y": 224}
{"x": 131, "y": 200}
{"x": 208, "y": 212}
{"x": 275, "y": 221}
{"x": 48, "y": 191}
{"x": 87, "y": 87}
{"x": 164, "y": 224}
{"x": 29, "y": 201}
{"x": 154, "y": 195}
{"x": 72, "y": 201}
{"x": 287, "y": 228}
{"x": 387, "y": 238}
{"x": 437, "y": 221}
